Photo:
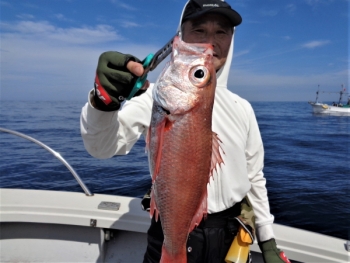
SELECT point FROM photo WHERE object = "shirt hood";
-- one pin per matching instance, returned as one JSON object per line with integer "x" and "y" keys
{"x": 223, "y": 73}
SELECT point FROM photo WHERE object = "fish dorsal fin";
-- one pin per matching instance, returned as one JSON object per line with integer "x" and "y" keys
{"x": 216, "y": 158}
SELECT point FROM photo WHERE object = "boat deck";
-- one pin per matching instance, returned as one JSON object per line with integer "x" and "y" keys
{"x": 52, "y": 226}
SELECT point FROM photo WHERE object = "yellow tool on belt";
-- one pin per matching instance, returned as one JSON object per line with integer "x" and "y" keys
{"x": 238, "y": 252}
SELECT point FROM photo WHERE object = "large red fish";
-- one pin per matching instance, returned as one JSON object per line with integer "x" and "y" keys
{"x": 183, "y": 149}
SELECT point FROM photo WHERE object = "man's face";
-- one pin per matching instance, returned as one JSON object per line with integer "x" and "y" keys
{"x": 211, "y": 28}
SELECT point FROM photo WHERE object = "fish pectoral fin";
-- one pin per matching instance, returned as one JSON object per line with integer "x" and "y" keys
{"x": 155, "y": 144}
{"x": 215, "y": 155}
{"x": 148, "y": 139}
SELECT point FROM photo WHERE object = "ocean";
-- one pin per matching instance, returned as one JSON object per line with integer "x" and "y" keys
{"x": 307, "y": 160}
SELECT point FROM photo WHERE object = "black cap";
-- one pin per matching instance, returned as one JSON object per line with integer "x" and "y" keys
{"x": 196, "y": 8}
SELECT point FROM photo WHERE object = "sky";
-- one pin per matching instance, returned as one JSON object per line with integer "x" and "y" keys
{"x": 285, "y": 50}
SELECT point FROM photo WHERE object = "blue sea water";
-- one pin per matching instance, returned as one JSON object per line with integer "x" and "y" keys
{"x": 306, "y": 160}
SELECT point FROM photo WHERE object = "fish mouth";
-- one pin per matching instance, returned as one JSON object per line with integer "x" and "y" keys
{"x": 163, "y": 110}
{"x": 167, "y": 112}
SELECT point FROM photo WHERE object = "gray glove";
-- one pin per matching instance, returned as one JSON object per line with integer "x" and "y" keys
{"x": 113, "y": 82}
{"x": 271, "y": 254}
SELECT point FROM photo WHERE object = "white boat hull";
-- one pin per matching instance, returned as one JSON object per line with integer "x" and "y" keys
{"x": 320, "y": 108}
{"x": 53, "y": 226}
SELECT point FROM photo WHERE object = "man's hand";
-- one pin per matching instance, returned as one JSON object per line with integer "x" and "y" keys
{"x": 116, "y": 75}
{"x": 271, "y": 253}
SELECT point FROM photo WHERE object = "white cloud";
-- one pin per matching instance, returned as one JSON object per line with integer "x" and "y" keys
{"x": 62, "y": 17}
{"x": 84, "y": 35}
{"x": 39, "y": 59}
{"x": 315, "y": 43}
{"x": 241, "y": 53}
{"x": 25, "y": 16}
{"x": 27, "y": 27}
{"x": 257, "y": 86}
{"x": 4, "y": 3}
{"x": 123, "y": 5}
{"x": 128, "y": 24}
{"x": 271, "y": 12}
{"x": 317, "y": 2}
{"x": 45, "y": 62}
{"x": 44, "y": 30}
{"x": 291, "y": 8}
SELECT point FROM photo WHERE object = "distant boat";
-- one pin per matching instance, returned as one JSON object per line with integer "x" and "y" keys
{"x": 333, "y": 109}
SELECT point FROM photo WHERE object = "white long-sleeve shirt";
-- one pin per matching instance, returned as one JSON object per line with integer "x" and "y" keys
{"x": 106, "y": 134}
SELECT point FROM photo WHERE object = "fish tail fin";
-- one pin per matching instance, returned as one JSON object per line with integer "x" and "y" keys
{"x": 216, "y": 155}
{"x": 179, "y": 258}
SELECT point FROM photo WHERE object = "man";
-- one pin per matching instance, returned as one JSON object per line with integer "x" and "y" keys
{"x": 108, "y": 131}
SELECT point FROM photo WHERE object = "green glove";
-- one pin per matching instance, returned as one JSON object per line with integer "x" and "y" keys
{"x": 271, "y": 253}
{"x": 113, "y": 82}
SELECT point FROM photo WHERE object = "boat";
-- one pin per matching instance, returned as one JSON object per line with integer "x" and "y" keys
{"x": 331, "y": 109}
{"x": 60, "y": 226}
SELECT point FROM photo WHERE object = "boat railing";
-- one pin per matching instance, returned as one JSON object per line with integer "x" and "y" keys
{"x": 54, "y": 153}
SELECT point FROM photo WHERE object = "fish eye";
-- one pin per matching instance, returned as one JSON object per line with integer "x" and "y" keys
{"x": 199, "y": 73}
{"x": 199, "y": 76}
